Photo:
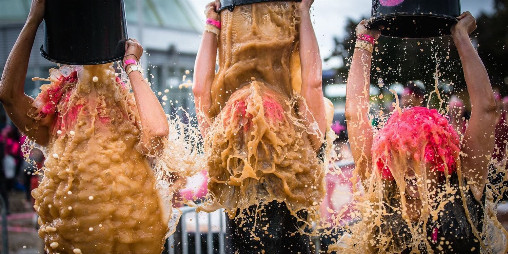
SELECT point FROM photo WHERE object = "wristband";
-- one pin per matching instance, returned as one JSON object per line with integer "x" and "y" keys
{"x": 364, "y": 45}
{"x": 212, "y": 29}
{"x": 129, "y": 62}
{"x": 132, "y": 68}
{"x": 366, "y": 38}
{"x": 214, "y": 23}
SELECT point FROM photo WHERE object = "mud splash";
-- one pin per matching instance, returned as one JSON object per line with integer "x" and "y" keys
{"x": 259, "y": 41}
{"x": 98, "y": 194}
{"x": 425, "y": 204}
{"x": 257, "y": 154}
{"x": 257, "y": 147}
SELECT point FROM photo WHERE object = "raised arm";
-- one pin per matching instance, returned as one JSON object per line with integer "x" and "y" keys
{"x": 16, "y": 103}
{"x": 357, "y": 103}
{"x": 154, "y": 124}
{"x": 312, "y": 90}
{"x": 478, "y": 143}
{"x": 204, "y": 69}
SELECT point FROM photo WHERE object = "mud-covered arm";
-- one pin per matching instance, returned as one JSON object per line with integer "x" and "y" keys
{"x": 360, "y": 130}
{"x": 312, "y": 89}
{"x": 204, "y": 70}
{"x": 16, "y": 103}
{"x": 478, "y": 143}
{"x": 154, "y": 124}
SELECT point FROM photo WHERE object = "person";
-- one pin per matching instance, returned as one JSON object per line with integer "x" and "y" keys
{"x": 418, "y": 162}
{"x": 98, "y": 192}
{"x": 263, "y": 119}
{"x": 457, "y": 114}
{"x": 4, "y": 182}
{"x": 13, "y": 142}
{"x": 501, "y": 131}
{"x": 413, "y": 94}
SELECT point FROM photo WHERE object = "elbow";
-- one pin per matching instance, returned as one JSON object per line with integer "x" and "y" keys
{"x": 493, "y": 112}
{"x": 152, "y": 142}
{"x": 161, "y": 131}
{"x": 489, "y": 109}
{"x": 7, "y": 96}
{"x": 4, "y": 99}
{"x": 199, "y": 87}
{"x": 313, "y": 81}
{"x": 312, "y": 88}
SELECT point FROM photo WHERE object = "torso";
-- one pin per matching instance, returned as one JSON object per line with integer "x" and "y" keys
{"x": 97, "y": 188}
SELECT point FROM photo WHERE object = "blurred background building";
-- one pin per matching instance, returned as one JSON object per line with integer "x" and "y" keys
{"x": 169, "y": 31}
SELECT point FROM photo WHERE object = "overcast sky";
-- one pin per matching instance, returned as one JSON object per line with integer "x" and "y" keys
{"x": 329, "y": 17}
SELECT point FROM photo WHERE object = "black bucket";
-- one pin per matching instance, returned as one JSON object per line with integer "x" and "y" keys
{"x": 84, "y": 32}
{"x": 414, "y": 18}
{"x": 230, "y": 4}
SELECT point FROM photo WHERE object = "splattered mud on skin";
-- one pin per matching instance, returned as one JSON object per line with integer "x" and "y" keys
{"x": 257, "y": 146}
{"x": 98, "y": 194}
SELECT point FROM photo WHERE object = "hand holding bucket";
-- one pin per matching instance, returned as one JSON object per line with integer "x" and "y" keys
{"x": 414, "y": 18}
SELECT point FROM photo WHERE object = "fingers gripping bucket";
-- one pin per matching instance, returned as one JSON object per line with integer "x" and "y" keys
{"x": 230, "y": 4}
{"x": 414, "y": 18}
{"x": 84, "y": 32}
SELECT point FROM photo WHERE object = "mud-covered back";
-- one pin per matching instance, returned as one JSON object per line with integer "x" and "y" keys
{"x": 257, "y": 41}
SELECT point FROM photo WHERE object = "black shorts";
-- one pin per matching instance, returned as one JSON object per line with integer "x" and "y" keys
{"x": 272, "y": 230}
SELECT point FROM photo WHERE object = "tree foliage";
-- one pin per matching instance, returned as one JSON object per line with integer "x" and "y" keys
{"x": 428, "y": 60}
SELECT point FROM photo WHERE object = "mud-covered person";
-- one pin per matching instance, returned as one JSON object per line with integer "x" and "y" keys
{"x": 98, "y": 192}
{"x": 415, "y": 164}
{"x": 263, "y": 119}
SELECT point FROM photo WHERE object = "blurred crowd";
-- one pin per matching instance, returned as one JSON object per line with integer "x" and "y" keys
{"x": 16, "y": 174}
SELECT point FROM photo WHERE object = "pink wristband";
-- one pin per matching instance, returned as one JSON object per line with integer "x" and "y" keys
{"x": 367, "y": 38}
{"x": 214, "y": 23}
{"x": 128, "y": 62}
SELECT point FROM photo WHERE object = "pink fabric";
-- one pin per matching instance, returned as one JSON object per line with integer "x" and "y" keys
{"x": 129, "y": 61}
{"x": 390, "y": 2}
{"x": 367, "y": 38}
{"x": 338, "y": 201}
{"x": 59, "y": 93}
{"x": 11, "y": 142}
{"x": 435, "y": 234}
{"x": 196, "y": 187}
{"x": 214, "y": 23}
{"x": 119, "y": 81}
{"x": 501, "y": 137}
{"x": 273, "y": 112}
{"x": 52, "y": 96}
{"x": 337, "y": 127}
{"x": 407, "y": 132}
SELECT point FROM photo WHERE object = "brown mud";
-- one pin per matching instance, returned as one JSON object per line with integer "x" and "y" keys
{"x": 257, "y": 147}
{"x": 98, "y": 194}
